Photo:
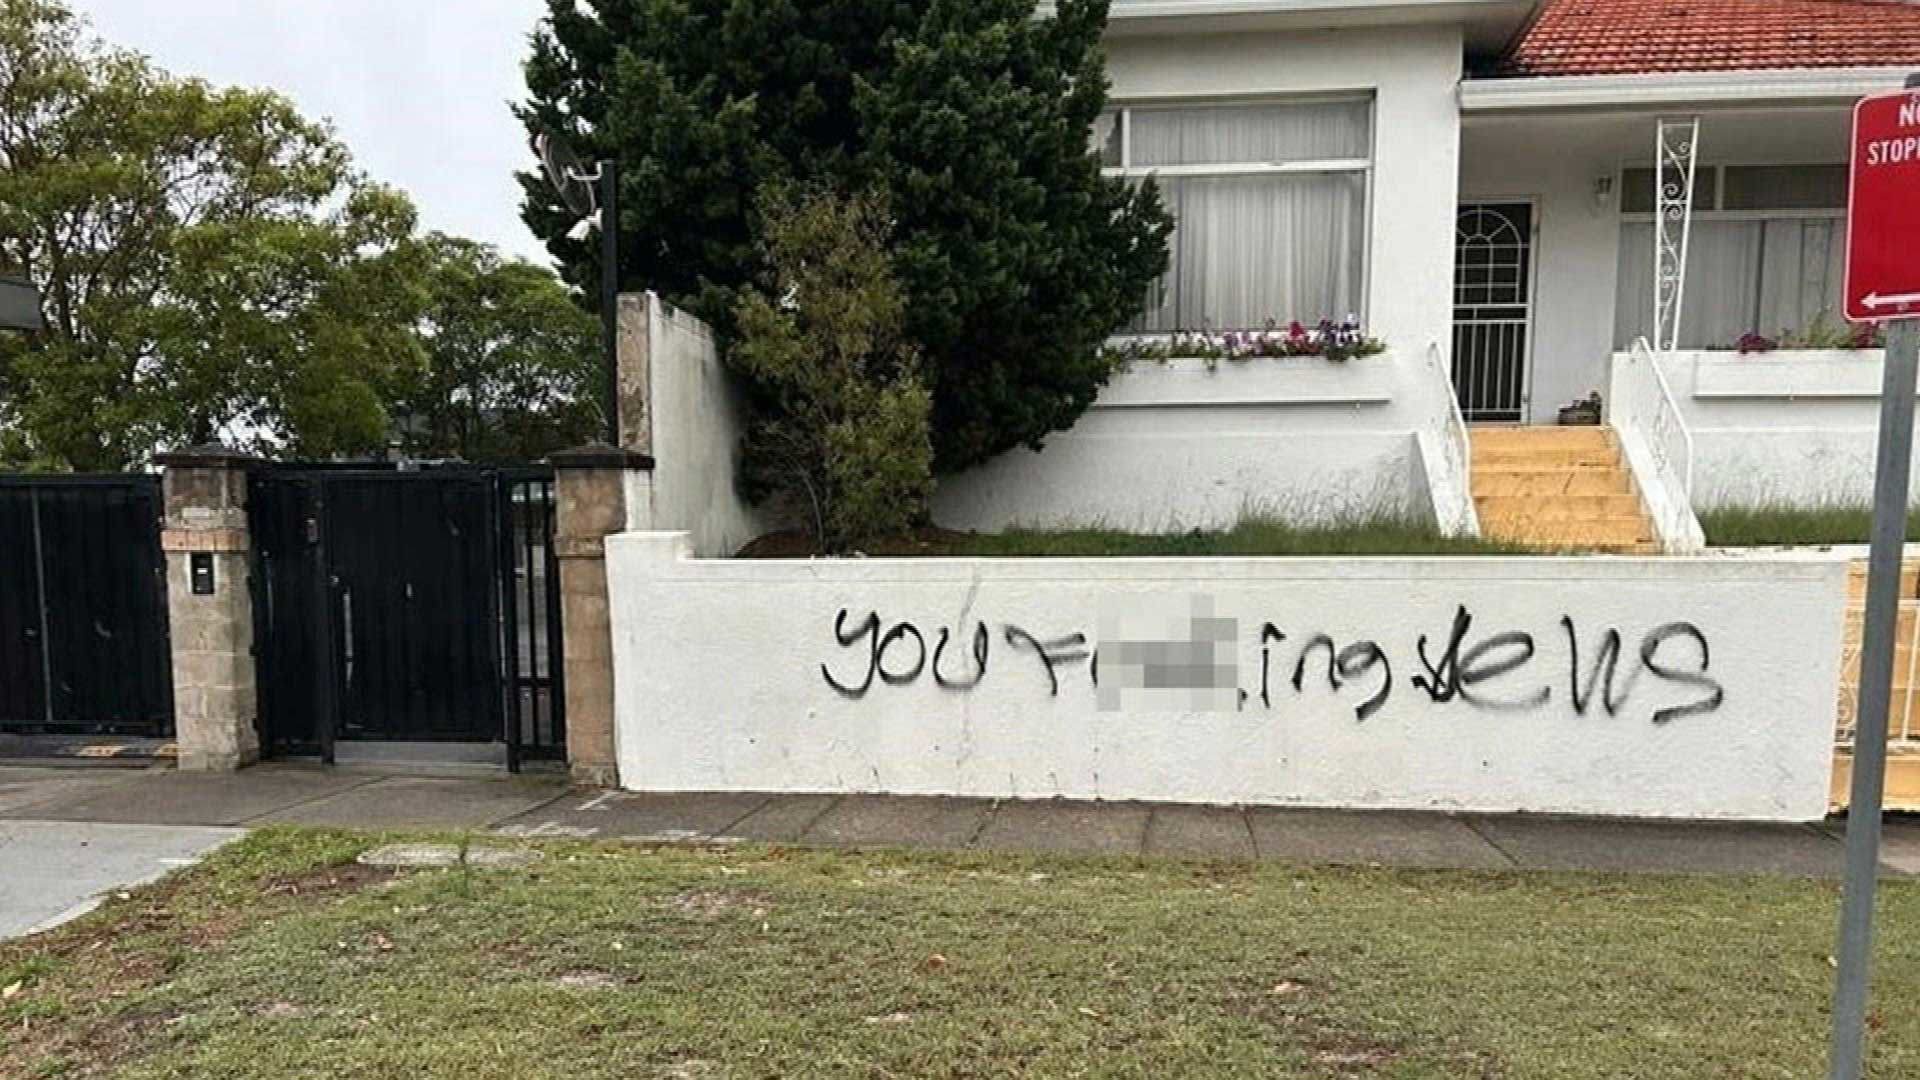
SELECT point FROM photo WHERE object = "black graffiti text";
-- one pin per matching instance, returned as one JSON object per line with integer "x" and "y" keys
{"x": 1464, "y": 666}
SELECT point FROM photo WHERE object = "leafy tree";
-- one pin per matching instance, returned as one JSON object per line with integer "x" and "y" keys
{"x": 210, "y": 263}
{"x": 839, "y": 434}
{"x": 512, "y": 361}
{"x": 1016, "y": 256}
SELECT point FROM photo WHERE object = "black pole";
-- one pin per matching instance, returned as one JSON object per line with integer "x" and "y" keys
{"x": 610, "y": 292}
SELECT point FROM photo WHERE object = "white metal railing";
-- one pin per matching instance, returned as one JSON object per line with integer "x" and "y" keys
{"x": 1676, "y": 145}
{"x": 1450, "y": 437}
{"x": 1666, "y": 425}
{"x": 1646, "y": 415}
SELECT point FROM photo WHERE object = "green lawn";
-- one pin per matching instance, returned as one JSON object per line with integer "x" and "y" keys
{"x": 1255, "y": 536}
{"x": 1764, "y": 526}
{"x": 625, "y": 961}
{"x": 1378, "y": 537}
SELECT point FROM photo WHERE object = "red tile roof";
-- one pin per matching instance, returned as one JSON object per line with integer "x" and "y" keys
{"x": 1612, "y": 37}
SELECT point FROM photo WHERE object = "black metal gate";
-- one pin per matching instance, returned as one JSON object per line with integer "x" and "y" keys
{"x": 416, "y": 605}
{"x": 83, "y": 607}
{"x": 1492, "y": 310}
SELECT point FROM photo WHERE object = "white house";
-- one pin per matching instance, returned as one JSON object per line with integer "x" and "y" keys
{"x": 1475, "y": 182}
{"x": 1480, "y": 183}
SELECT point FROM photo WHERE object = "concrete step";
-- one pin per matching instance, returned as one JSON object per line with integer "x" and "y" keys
{"x": 1531, "y": 508}
{"x": 1508, "y": 438}
{"x": 1522, "y": 480}
{"x": 1903, "y": 779}
{"x": 1605, "y": 457}
{"x": 1557, "y": 488}
{"x": 1599, "y": 532}
{"x": 1857, "y": 580}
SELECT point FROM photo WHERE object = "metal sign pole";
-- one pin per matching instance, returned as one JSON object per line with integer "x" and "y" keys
{"x": 1876, "y": 689}
{"x": 610, "y": 292}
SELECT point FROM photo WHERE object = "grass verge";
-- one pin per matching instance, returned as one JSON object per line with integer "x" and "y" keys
{"x": 1382, "y": 536}
{"x": 1767, "y": 526}
{"x": 274, "y": 959}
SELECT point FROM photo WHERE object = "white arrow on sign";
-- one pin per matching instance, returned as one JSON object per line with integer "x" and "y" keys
{"x": 1875, "y": 300}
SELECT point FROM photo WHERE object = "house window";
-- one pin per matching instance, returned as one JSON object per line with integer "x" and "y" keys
{"x": 1269, "y": 201}
{"x": 1765, "y": 255}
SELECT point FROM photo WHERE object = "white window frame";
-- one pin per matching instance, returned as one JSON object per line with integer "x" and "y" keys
{"x": 1716, "y": 211}
{"x": 1124, "y": 108}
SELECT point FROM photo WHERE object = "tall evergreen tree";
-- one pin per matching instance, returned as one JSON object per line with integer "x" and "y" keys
{"x": 972, "y": 117}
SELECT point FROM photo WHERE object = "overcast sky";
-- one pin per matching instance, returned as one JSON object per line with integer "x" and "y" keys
{"x": 418, "y": 89}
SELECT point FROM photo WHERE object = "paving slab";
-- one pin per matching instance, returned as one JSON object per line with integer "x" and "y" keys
{"x": 1899, "y": 842}
{"x": 403, "y": 802}
{"x": 57, "y": 870}
{"x": 167, "y": 797}
{"x": 900, "y": 821}
{"x": 1900, "y": 846}
{"x": 1370, "y": 837}
{"x": 23, "y": 787}
{"x": 1057, "y": 825}
{"x": 1547, "y": 843}
{"x": 1199, "y": 832}
{"x": 783, "y": 819}
{"x": 443, "y": 856}
{"x": 632, "y": 815}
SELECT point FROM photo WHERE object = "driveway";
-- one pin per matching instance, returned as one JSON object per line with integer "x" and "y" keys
{"x": 60, "y": 870}
{"x": 70, "y": 834}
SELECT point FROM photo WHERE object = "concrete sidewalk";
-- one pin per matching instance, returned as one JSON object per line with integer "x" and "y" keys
{"x": 1352, "y": 837}
{"x": 53, "y": 871}
{"x": 545, "y": 806}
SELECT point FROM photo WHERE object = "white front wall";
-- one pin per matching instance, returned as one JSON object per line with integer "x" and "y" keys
{"x": 1781, "y": 428}
{"x": 760, "y": 675}
{"x": 695, "y": 422}
{"x": 1555, "y": 161}
{"x": 1152, "y": 467}
{"x": 1186, "y": 444}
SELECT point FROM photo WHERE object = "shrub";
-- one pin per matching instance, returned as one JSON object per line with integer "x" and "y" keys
{"x": 838, "y": 434}
{"x": 974, "y": 117}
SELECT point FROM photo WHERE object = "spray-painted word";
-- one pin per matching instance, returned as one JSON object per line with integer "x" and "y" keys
{"x": 1199, "y": 669}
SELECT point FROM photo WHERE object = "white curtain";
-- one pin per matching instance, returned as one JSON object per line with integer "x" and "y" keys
{"x": 1247, "y": 134}
{"x": 1252, "y": 249}
{"x": 1743, "y": 277}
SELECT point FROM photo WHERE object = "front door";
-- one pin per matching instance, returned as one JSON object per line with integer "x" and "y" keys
{"x": 1492, "y": 310}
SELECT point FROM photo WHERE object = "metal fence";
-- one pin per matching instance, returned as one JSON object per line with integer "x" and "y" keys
{"x": 530, "y": 616}
{"x": 415, "y": 605}
{"x": 83, "y": 610}
{"x": 1903, "y": 713}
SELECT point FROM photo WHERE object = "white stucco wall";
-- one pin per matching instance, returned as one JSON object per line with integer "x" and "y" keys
{"x": 1186, "y": 444}
{"x": 1145, "y": 465}
{"x": 1786, "y": 427}
{"x": 866, "y": 675}
{"x": 1555, "y": 160}
{"x": 692, "y": 428}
